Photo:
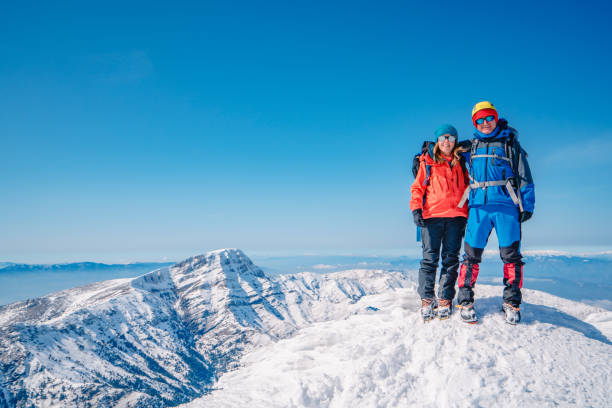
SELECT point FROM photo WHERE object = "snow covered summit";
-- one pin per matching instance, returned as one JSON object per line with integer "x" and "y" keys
{"x": 560, "y": 355}
{"x": 165, "y": 337}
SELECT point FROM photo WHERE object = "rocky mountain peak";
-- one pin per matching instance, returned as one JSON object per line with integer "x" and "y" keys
{"x": 226, "y": 261}
{"x": 162, "y": 338}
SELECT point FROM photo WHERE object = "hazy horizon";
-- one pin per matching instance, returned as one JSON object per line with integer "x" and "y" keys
{"x": 549, "y": 270}
{"x": 177, "y": 256}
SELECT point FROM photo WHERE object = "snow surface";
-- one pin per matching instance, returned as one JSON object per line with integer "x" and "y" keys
{"x": 560, "y": 355}
{"x": 215, "y": 330}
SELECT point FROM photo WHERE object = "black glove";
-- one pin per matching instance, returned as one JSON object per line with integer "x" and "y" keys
{"x": 525, "y": 215}
{"x": 418, "y": 218}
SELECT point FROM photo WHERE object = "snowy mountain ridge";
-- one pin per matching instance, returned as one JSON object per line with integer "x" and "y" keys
{"x": 163, "y": 338}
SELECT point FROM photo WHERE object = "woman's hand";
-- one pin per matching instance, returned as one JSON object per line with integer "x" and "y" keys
{"x": 418, "y": 218}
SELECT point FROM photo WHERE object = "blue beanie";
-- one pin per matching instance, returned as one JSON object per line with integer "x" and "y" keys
{"x": 444, "y": 129}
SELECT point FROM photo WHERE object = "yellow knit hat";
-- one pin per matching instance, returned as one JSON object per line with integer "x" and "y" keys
{"x": 482, "y": 105}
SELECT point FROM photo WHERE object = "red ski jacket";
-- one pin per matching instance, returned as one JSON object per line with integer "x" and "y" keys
{"x": 443, "y": 192}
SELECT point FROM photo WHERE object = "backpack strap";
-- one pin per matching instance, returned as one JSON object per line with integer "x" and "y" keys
{"x": 426, "y": 181}
{"x": 493, "y": 156}
{"x": 473, "y": 150}
{"x": 508, "y": 146}
{"x": 515, "y": 195}
{"x": 427, "y": 174}
{"x": 516, "y": 198}
{"x": 416, "y": 160}
{"x": 511, "y": 151}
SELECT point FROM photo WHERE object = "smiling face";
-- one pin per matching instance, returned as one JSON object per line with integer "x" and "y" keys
{"x": 445, "y": 145}
{"x": 485, "y": 120}
{"x": 487, "y": 127}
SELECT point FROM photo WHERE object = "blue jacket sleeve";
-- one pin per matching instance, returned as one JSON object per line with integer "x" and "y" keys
{"x": 525, "y": 180}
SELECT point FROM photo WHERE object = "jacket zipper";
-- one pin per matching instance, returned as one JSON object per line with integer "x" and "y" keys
{"x": 485, "y": 170}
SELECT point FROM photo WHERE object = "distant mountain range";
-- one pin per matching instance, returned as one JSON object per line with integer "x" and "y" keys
{"x": 79, "y": 266}
{"x": 163, "y": 338}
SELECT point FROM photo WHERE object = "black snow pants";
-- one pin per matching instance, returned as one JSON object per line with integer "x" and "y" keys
{"x": 447, "y": 234}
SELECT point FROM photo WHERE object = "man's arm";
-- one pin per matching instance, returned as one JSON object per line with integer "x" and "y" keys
{"x": 524, "y": 179}
{"x": 465, "y": 144}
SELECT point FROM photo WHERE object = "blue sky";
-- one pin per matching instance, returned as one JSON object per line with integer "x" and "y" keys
{"x": 144, "y": 131}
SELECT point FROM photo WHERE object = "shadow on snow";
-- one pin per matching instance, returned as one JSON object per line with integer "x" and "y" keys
{"x": 532, "y": 313}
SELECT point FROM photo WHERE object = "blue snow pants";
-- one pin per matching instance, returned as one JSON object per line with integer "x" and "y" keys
{"x": 481, "y": 221}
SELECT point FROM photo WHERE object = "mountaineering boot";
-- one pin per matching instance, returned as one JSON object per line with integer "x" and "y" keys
{"x": 513, "y": 314}
{"x": 468, "y": 314}
{"x": 428, "y": 310}
{"x": 445, "y": 308}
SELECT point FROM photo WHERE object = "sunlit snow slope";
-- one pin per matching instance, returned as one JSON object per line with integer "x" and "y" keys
{"x": 561, "y": 355}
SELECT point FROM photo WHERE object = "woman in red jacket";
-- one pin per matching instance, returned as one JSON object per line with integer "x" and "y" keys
{"x": 437, "y": 190}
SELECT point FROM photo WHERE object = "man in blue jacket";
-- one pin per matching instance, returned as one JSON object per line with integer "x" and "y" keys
{"x": 501, "y": 196}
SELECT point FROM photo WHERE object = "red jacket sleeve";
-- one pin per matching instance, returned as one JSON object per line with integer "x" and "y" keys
{"x": 417, "y": 191}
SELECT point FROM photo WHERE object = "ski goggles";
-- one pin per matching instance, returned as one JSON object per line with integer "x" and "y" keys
{"x": 486, "y": 118}
{"x": 450, "y": 138}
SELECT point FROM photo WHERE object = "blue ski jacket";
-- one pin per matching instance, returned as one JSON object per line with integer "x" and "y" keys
{"x": 498, "y": 157}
